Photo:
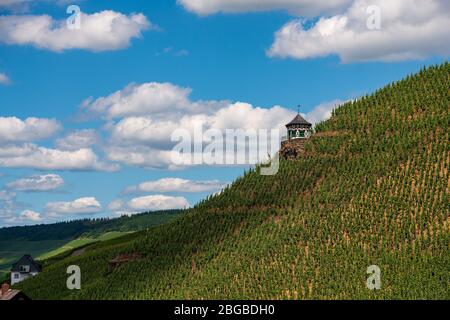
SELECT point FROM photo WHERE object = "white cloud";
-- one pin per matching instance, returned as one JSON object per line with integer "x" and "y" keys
{"x": 144, "y": 142}
{"x": 78, "y": 139}
{"x": 26, "y": 217}
{"x": 82, "y": 206}
{"x": 8, "y": 206}
{"x": 157, "y": 202}
{"x": 7, "y": 195}
{"x": 176, "y": 185}
{"x": 323, "y": 111}
{"x": 46, "y": 182}
{"x": 141, "y": 156}
{"x": 102, "y": 31}
{"x": 173, "y": 52}
{"x": 116, "y": 205}
{"x": 29, "y": 215}
{"x": 32, "y": 156}
{"x": 4, "y": 79}
{"x": 410, "y": 29}
{"x": 147, "y": 203}
{"x": 153, "y": 97}
{"x": 13, "y": 129}
{"x": 16, "y": 151}
{"x": 297, "y": 7}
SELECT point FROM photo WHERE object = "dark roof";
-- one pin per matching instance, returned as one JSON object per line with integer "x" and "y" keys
{"x": 298, "y": 120}
{"x": 12, "y": 294}
{"x": 26, "y": 260}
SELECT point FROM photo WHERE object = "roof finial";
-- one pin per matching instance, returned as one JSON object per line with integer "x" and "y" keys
{"x": 298, "y": 109}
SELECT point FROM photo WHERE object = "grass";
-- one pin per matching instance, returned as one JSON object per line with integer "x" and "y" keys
{"x": 81, "y": 242}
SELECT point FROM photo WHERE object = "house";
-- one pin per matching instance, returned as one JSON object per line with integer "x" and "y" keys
{"x": 24, "y": 268}
{"x": 6, "y": 293}
{"x": 298, "y": 128}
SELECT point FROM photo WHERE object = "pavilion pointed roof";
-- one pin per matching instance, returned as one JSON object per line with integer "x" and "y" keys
{"x": 298, "y": 120}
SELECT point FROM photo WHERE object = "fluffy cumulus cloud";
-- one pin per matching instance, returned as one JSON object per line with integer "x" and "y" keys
{"x": 82, "y": 206}
{"x": 297, "y": 7}
{"x": 73, "y": 152}
{"x": 78, "y": 139}
{"x": 408, "y": 29}
{"x": 323, "y": 111}
{"x": 176, "y": 185}
{"x": 30, "y": 216}
{"x": 143, "y": 117}
{"x": 26, "y": 217}
{"x": 29, "y": 155}
{"x": 13, "y": 129}
{"x": 37, "y": 183}
{"x": 157, "y": 202}
{"x": 4, "y": 79}
{"x": 147, "y": 203}
{"x": 102, "y": 31}
{"x": 135, "y": 100}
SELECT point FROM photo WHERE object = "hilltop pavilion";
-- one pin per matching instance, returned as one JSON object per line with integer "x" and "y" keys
{"x": 298, "y": 128}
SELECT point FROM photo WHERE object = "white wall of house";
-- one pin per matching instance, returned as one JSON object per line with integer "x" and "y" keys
{"x": 17, "y": 277}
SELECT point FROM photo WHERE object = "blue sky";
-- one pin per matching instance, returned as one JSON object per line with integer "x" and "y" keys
{"x": 221, "y": 52}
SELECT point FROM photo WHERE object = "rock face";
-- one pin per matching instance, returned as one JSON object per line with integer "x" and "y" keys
{"x": 291, "y": 149}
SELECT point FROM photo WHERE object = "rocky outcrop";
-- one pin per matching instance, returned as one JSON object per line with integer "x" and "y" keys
{"x": 291, "y": 149}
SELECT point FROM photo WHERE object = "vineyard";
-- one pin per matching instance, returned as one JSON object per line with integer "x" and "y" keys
{"x": 372, "y": 188}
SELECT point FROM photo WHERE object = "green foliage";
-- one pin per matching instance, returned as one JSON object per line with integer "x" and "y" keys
{"x": 373, "y": 188}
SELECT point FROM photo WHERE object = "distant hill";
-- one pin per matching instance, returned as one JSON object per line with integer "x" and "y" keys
{"x": 76, "y": 228}
{"x": 48, "y": 240}
{"x": 372, "y": 188}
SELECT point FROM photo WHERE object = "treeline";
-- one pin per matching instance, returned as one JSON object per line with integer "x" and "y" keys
{"x": 93, "y": 227}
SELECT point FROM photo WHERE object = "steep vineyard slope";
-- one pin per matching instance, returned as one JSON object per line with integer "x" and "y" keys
{"x": 372, "y": 188}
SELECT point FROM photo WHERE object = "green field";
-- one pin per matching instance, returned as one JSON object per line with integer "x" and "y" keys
{"x": 47, "y": 241}
{"x": 80, "y": 242}
{"x": 11, "y": 251}
{"x": 372, "y": 188}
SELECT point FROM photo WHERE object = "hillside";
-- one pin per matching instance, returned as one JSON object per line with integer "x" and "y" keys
{"x": 371, "y": 188}
{"x": 48, "y": 240}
